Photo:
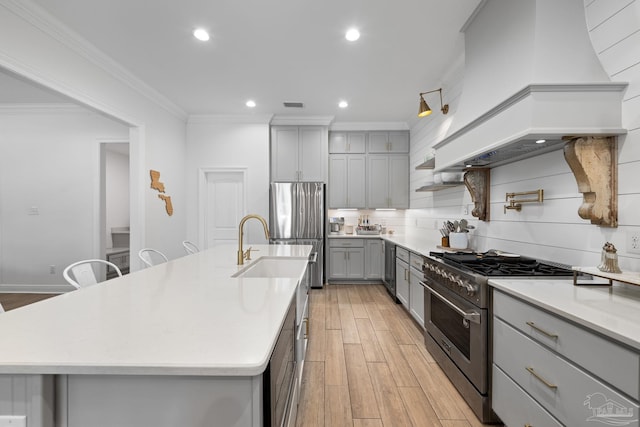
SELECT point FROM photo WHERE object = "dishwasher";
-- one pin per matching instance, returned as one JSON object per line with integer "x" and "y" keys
{"x": 389, "y": 277}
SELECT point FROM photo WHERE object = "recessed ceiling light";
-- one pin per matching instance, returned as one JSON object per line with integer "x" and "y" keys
{"x": 201, "y": 34}
{"x": 541, "y": 141}
{"x": 251, "y": 103}
{"x": 352, "y": 35}
{"x": 343, "y": 104}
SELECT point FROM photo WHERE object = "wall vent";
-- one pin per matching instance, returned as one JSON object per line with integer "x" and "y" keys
{"x": 293, "y": 104}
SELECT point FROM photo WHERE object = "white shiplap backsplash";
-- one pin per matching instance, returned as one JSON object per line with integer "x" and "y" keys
{"x": 551, "y": 230}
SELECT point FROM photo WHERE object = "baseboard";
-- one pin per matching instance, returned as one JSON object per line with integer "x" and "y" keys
{"x": 35, "y": 289}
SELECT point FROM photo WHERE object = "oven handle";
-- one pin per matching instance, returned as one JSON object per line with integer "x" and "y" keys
{"x": 472, "y": 316}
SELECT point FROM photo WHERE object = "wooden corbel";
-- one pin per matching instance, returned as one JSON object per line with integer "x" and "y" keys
{"x": 593, "y": 160}
{"x": 477, "y": 182}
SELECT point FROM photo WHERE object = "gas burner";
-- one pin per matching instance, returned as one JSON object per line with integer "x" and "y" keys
{"x": 502, "y": 266}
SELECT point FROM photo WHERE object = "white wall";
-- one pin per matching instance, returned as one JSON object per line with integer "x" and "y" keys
{"x": 552, "y": 230}
{"x": 43, "y": 51}
{"x": 229, "y": 142}
{"x": 49, "y": 163}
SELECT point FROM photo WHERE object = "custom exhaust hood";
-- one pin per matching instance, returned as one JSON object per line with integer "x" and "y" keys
{"x": 531, "y": 74}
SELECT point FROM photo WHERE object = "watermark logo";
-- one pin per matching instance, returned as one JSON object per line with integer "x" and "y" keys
{"x": 609, "y": 412}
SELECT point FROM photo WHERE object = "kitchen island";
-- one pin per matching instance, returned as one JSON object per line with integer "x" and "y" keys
{"x": 181, "y": 343}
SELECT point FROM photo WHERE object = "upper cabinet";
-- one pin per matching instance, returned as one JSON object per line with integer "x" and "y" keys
{"x": 389, "y": 142}
{"x": 347, "y": 181}
{"x": 388, "y": 182}
{"x": 298, "y": 153}
{"x": 369, "y": 169}
{"x": 347, "y": 142}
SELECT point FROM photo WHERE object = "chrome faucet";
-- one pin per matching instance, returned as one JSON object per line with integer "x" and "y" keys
{"x": 241, "y": 254}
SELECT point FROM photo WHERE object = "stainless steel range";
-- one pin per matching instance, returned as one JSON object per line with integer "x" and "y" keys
{"x": 457, "y": 315}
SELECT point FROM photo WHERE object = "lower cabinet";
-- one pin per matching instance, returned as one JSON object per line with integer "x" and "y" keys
{"x": 409, "y": 291}
{"x": 355, "y": 259}
{"x": 416, "y": 296}
{"x": 346, "y": 259}
{"x": 549, "y": 371}
{"x": 402, "y": 282}
{"x": 374, "y": 259}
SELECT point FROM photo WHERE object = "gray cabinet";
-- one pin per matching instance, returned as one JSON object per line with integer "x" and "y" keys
{"x": 402, "y": 276}
{"x": 374, "y": 259}
{"x": 409, "y": 291}
{"x": 347, "y": 179}
{"x": 369, "y": 170}
{"x": 347, "y": 142}
{"x": 570, "y": 372}
{"x": 356, "y": 259}
{"x": 389, "y": 142}
{"x": 298, "y": 153}
{"x": 388, "y": 181}
{"x": 346, "y": 259}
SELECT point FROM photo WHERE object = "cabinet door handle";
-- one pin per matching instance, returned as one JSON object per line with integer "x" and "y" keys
{"x": 306, "y": 327}
{"x": 542, "y": 380}
{"x": 539, "y": 329}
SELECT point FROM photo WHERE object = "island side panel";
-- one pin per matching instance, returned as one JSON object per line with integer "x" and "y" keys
{"x": 163, "y": 401}
{"x": 28, "y": 395}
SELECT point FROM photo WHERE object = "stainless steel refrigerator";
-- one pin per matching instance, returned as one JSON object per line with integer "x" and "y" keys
{"x": 296, "y": 216}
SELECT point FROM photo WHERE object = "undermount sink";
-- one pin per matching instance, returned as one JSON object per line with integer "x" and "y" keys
{"x": 286, "y": 267}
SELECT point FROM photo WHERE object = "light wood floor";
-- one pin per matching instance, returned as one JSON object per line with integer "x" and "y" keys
{"x": 367, "y": 365}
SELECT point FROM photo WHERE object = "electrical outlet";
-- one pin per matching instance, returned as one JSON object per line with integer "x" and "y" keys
{"x": 465, "y": 210}
{"x": 52, "y": 269}
{"x": 633, "y": 242}
{"x": 13, "y": 421}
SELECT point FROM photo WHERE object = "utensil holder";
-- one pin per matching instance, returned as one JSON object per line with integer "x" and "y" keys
{"x": 458, "y": 240}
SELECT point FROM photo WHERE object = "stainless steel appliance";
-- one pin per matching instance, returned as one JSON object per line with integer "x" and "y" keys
{"x": 457, "y": 315}
{"x": 296, "y": 217}
{"x": 389, "y": 276}
{"x": 336, "y": 225}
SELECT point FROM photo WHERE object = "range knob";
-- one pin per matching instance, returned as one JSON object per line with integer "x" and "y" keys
{"x": 471, "y": 289}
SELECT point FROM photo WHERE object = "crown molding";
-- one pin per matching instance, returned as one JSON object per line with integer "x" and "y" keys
{"x": 368, "y": 126}
{"x": 301, "y": 120}
{"x": 230, "y": 118}
{"x": 53, "y": 108}
{"x": 42, "y": 20}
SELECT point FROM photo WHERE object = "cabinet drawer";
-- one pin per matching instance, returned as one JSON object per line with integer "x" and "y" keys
{"x": 416, "y": 261}
{"x": 402, "y": 253}
{"x": 560, "y": 387}
{"x": 514, "y": 406}
{"x": 610, "y": 361}
{"x": 346, "y": 243}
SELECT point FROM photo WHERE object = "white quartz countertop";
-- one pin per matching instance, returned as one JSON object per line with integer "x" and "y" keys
{"x": 183, "y": 317}
{"x": 613, "y": 311}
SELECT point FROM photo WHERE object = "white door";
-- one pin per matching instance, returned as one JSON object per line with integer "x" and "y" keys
{"x": 224, "y": 206}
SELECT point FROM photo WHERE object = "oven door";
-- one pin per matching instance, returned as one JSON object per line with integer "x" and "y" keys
{"x": 460, "y": 330}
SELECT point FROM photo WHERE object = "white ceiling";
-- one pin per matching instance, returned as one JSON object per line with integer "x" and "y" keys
{"x": 284, "y": 50}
